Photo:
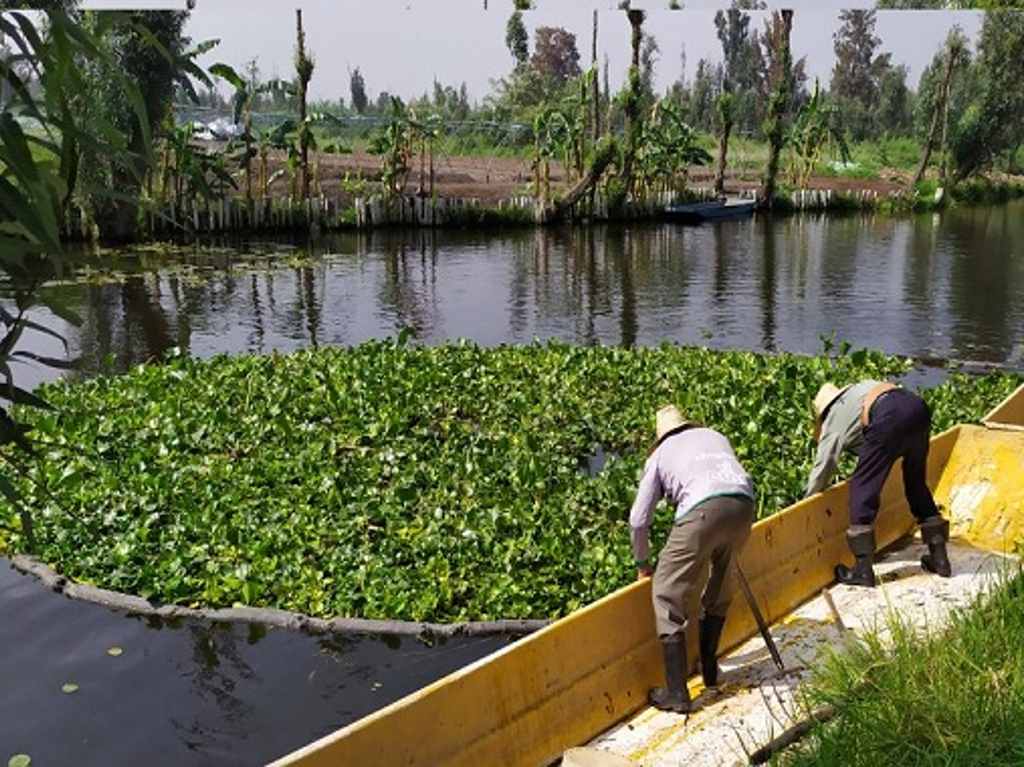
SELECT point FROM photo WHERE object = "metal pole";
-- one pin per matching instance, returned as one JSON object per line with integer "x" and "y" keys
{"x": 761, "y": 625}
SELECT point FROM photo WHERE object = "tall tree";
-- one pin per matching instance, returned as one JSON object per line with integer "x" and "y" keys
{"x": 707, "y": 85}
{"x": 303, "y": 74}
{"x": 742, "y": 63}
{"x": 894, "y": 114}
{"x": 648, "y": 59}
{"x": 631, "y": 102}
{"x": 517, "y": 39}
{"x": 992, "y": 124}
{"x": 858, "y": 70}
{"x": 855, "y": 43}
{"x": 555, "y": 56}
{"x": 595, "y": 88}
{"x": 357, "y": 89}
{"x": 779, "y": 31}
{"x": 955, "y": 48}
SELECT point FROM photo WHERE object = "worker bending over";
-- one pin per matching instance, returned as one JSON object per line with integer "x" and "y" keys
{"x": 695, "y": 469}
{"x": 880, "y": 422}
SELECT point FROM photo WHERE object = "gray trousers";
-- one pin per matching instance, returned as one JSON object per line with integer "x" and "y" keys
{"x": 712, "y": 532}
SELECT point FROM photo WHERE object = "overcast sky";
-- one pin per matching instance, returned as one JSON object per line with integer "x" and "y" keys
{"x": 402, "y": 45}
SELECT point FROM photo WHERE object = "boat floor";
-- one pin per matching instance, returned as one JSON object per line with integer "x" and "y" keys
{"x": 756, "y": 702}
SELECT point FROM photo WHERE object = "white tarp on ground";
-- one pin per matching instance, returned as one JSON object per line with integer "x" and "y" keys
{"x": 755, "y": 703}
{"x": 219, "y": 129}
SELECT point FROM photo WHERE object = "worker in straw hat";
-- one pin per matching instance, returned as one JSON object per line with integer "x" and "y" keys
{"x": 881, "y": 422}
{"x": 696, "y": 470}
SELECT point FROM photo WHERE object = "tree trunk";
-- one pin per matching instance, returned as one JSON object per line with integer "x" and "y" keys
{"x": 944, "y": 158}
{"x": 248, "y": 151}
{"x": 723, "y": 150}
{"x": 595, "y": 90}
{"x": 940, "y": 108}
{"x": 777, "y": 106}
{"x": 303, "y": 84}
{"x": 423, "y": 168}
{"x": 607, "y": 97}
{"x": 603, "y": 156}
{"x": 632, "y": 106}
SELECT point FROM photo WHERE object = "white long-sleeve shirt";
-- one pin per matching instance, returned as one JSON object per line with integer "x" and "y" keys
{"x": 687, "y": 468}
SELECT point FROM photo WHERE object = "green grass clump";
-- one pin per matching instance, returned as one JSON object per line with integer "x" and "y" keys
{"x": 955, "y": 698}
{"x": 439, "y": 483}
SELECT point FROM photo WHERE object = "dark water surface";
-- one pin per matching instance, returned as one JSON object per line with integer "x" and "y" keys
{"x": 188, "y": 694}
{"x": 945, "y": 286}
{"x": 940, "y": 286}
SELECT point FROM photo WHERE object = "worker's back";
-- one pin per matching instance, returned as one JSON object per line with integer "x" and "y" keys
{"x": 699, "y": 463}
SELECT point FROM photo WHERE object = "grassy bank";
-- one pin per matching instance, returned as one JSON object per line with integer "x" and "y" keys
{"x": 441, "y": 483}
{"x": 956, "y": 698}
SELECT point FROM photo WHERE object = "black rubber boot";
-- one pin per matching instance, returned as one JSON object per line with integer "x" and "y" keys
{"x": 674, "y": 696}
{"x": 861, "y": 539}
{"x": 935, "y": 533}
{"x": 710, "y": 633}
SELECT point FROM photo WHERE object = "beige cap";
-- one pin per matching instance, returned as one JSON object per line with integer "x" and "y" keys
{"x": 669, "y": 419}
{"x": 827, "y": 394}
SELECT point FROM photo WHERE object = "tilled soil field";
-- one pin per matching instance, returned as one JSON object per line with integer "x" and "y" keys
{"x": 491, "y": 179}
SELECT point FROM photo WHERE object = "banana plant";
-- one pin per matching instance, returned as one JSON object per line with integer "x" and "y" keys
{"x": 426, "y": 131}
{"x": 242, "y": 113}
{"x": 815, "y": 129}
{"x": 552, "y": 139}
{"x": 667, "y": 148}
{"x": 395, "y": 145}
{"x": 190, "y": 172}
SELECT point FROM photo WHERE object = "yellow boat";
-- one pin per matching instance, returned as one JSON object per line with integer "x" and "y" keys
{"x": 573, "y": 681}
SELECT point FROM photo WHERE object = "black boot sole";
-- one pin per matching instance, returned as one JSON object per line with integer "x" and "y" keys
{"x": 845, "y": 576}
{"x": 942, "y": 572}
{"x": 672, "y": 706}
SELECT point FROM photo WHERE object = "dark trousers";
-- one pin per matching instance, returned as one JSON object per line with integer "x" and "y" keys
{"x": 900, "y": 427}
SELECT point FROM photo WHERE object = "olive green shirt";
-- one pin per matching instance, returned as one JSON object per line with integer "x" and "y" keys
{"x": 841, "y": 431}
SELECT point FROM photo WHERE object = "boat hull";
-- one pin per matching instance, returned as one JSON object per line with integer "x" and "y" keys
{"x": 572, "y": 680}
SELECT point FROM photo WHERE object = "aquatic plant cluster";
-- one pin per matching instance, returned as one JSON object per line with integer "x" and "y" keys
{"x": 396, "y": 481}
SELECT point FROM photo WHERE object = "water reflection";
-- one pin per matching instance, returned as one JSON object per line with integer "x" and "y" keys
{"x": 930, "y": 285}
{"x": 188, "y": 691}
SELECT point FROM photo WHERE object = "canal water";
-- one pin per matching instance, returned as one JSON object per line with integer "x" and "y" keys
{"x": 931, "y": 286}
{"x": 943, "y": 286}
{"x": 187, "y": 693}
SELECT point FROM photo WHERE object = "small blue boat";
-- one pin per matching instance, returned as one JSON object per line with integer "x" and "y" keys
{"x": 698, "y": 212}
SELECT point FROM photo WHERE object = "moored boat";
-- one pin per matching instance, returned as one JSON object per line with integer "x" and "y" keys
{"x": 699, "y": 212}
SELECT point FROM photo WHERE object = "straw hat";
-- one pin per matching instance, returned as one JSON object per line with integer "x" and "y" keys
{"x": 827, "y": 394}
{"x": 668, "y": 421}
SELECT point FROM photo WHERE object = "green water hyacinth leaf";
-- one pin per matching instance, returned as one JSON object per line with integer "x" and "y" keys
{"x": 114, "y": 652}
{"x": 69, "y": 687}
{"x": 391, "y": 480}
{"x": 19, "y": 760}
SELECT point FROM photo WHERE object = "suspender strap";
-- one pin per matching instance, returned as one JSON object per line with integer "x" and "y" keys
{"x": 869, "y": 400}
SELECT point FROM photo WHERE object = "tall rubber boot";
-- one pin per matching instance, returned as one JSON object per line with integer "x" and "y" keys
{"x": 861, "y": 539}
{"x": 675, "y": 696}
{"x": 710, "y": 633}
{"x": 935, "y": 533}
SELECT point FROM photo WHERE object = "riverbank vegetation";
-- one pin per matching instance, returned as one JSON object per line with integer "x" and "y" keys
{"x": 868, "y": 129}
{"x": 341, "y": 482}
{"x": 553, "y": 128}
{"x": 955, "y": 697}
